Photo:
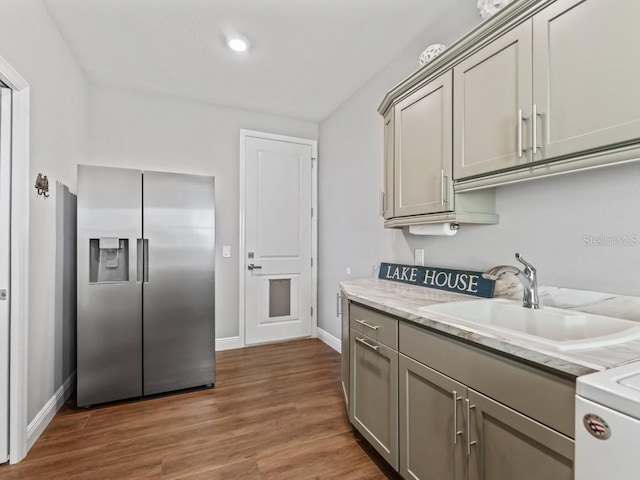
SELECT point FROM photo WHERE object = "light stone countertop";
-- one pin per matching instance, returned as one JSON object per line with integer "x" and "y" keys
{"x": 404, "y": 301}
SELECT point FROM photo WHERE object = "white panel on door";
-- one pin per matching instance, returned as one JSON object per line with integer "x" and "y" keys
{"x": 278, "y": 204}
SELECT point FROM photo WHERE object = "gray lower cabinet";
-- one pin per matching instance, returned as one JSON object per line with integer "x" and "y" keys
{"x": 431, "y": 407}
{"x": 506, "y": 445}
{"x": 373, "y": 399}
{"x": 451, "y": 432}
{"x": 437, "y": 408}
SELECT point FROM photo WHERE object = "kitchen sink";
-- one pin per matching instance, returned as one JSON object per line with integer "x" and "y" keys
{"x": 552, "y": 327}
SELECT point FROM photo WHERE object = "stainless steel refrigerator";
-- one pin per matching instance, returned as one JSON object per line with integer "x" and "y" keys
{"x": 145, "y": 283}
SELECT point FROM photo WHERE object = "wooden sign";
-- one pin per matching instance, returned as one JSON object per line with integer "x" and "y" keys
{"x": 458, "y": 281}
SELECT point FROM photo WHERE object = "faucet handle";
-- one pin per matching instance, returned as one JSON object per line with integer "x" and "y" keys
{"x": 527, "y": 265}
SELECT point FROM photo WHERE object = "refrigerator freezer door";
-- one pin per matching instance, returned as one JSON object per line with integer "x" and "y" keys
{"x": 109, "y": 335}
{"x": 178, "y": 293}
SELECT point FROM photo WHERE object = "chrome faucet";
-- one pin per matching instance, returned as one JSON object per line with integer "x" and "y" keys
{"x": 528, "y": 278}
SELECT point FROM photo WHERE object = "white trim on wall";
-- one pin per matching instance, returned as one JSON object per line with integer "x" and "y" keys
{"x": 314, "y": 224}
{"x": 19, "y": 293}
{"x": 228, "y": 343}
{"x": 333, "y": 342}
{"x": 44, "y": 416}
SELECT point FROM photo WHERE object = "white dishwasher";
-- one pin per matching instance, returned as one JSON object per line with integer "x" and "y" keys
{"x": 608, "y": 424}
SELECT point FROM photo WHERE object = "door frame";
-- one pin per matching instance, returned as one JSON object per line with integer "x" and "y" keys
{"x": 244, "y": 134}
{"x": 19, "y": 293}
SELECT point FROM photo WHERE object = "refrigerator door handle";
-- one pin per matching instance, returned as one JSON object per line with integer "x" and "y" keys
{"x": 145, "y": 248}
{"x": 140, "y": 260}
{"x": 143, "y": 260}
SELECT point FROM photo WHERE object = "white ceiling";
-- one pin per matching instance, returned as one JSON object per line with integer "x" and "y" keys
{"x": 306, "y": 58}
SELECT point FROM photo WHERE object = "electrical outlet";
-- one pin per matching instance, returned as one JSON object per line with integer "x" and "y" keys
{"x": 418, "y": 257}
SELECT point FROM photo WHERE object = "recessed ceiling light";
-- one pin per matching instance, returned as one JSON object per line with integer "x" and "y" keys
{"x": 238, "y": 44}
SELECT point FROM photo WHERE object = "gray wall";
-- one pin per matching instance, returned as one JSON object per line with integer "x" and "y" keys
{"x": 147, "y": 131}
{"x": 350, "y": 172}
{"x": 32, "y": 44}
{"x": 545, "y": 220}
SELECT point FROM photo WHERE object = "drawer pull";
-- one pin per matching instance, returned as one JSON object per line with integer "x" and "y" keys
{"x": 368, "y": 325}
{"x": 364, "y": 342}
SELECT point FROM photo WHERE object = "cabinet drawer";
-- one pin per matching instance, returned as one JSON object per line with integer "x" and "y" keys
{"x": 545, "y": 397}
{"x": 376, "y": 325}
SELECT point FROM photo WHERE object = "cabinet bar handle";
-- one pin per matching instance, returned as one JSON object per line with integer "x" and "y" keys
{"x": 534, "y": 128}
{"x": 456, "y": 432}
{"x": 442, "y": 187}
{"x": 368, "y": 325}
{"x": 383, "y": 198}
{"x": 520, "y": 119}
{"x": 364, "y": 342}
{"x": 534, "y": 117}
{"x": 469, "y": 442}
{"x": 338, "y": 305}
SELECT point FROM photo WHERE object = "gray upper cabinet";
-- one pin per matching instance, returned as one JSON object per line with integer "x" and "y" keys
{"x": 586, "y": 75}
{"x": 423, "y": 143}
{"x": 544, "y": 87}
{"x": 492, "y": 99}
{"x": 431, "y": 424}
{"x": 505, "y": 445}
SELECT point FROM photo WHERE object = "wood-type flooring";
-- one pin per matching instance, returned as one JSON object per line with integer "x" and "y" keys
{"x": 276, "y": 412}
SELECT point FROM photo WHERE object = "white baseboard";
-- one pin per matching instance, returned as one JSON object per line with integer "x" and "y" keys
{"x": 228, "y": 343}
{"x": 330, "y": 340}
{"x": 39, "y": 423}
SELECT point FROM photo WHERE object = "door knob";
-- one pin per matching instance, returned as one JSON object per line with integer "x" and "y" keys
{"x": 254, "y": 267}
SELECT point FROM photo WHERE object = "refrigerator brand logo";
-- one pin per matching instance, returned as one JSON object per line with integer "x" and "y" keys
{"x": 460, "y": 281}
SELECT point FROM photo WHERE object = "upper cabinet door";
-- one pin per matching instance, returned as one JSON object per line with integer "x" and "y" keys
{"x": 586, "y": 74}
{"x": 423, "y": 149}
{"x": 492, "y": 104}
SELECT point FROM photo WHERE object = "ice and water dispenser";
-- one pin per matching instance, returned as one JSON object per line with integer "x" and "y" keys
{"x": 109, "y": 260}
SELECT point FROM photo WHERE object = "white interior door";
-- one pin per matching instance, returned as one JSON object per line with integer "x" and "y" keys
{"x": 278, "y": 239}
{"x": 5, "y": 235}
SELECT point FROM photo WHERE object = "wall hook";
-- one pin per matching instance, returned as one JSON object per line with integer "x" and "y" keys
{"x": 42, "y": 185}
